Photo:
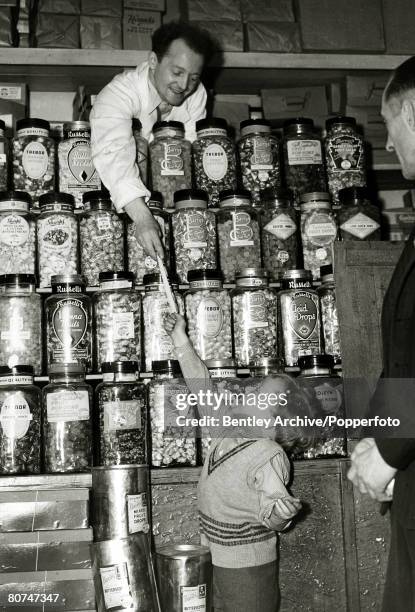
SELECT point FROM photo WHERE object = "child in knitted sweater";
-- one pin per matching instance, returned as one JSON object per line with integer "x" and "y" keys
{"x": 242, "y": 495}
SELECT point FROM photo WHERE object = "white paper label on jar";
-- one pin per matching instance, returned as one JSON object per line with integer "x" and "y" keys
{"x": 116, "y": 587}
{"x": 256, "y": 309}
{"x": 122, "y": 415}
{"x": 241, "y": 233}
{"x": 262, "y": 156}
{"x": 193, "y": 598}
{"x": 16, "y": 332}
{"x": 15, "y": 416}
{"x": 360, "y": 226}
{"x": 196, "y": 231}
{"x": 281, "y": 226}
{"x": 172, "y": 163}
{"x": 55, "y": 235}
{"x": 137, "y": 513}
{"x": 123, "y": 325}
{"x": 320, "y": 229}
{"x": 14, "y": 230}
{"x": 304, "y": 152}
{"x": 209, "y": 317}
{"x": 215, "y": 162}
{"x": 67, "y": 406}
{"x": 35, "y": 160}
{"x": 80, "y": 164}
{"x": 104, "y": 223}
{"x": 329, "y": 397}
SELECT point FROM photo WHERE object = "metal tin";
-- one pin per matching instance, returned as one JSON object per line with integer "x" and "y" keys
{"x": 124, "y": 576}
{"x": 184, "y": 574}
{"x": 119, "y": 501}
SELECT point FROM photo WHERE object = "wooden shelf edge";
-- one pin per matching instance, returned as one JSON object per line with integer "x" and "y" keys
{"x": 123, "y": 58}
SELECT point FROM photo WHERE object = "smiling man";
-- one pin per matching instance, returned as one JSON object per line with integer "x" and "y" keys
{"x": 166, "y": 87}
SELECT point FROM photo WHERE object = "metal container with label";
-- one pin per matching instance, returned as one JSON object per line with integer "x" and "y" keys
{"x": 120, "y": 501}
{"x": 121, "y": 407}
{"x": 67, "y": 420}
{"x": 170, "y": 160}
{"x": 279, "y": 232}
{"x": 57, "y": 237}
{"x": 238, "y": 233}
{"x": 77, "y": 173}
{"x": 208, "y": 312}
{"x": 17, "y": 234}
{"x": 318, "y": 231}
{"x": 123, "y": 575}
{"x": 184, "y": 577}
{"x": 359, "y": 218}
{"x": 254, "y": 315}
{"x": 300, "y": 316}
{"x": 20, "y": 321}
{"x": 194, "y": 233}
{"x": 117, "y": 317}
{"x": 20, "y": 412}
{"x": 68, "y": 315}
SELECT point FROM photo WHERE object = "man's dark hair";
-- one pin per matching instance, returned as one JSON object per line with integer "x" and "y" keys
{"x": 196, "y": 39}
{"x": 403, "y": 80}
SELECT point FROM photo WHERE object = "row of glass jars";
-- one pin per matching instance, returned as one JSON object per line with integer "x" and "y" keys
{"x": 34, "y": 163}
{"x": 256, "y": 162}
{"x": 109, "y": 326}
{"x": 58, "y": 430}
{"x": 237, "y": 228}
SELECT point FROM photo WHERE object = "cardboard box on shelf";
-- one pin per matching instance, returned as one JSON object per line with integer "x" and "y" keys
{"x": 150, "y": 5}
{"x": 272, "y": 36}
{"x": 138, "y": 27}
{"x": 45, "y": 550}
{"x": 399, "y": 26}
{"x": 369, "y": 118}
{"x": 272, "y": 10}
{"x": 56, "y": 106}
{"x": 398, "y": 223}
{"x": 46, "y": 509}
{"x": 57, "y": 31}
{"x": 289, "y": 102}
{"x": 62, "y": 7}
{"x": 14, "y": 104}
{"x": 228, "y": 35}
{"x": 100, "y": 32}
{"x": 10, "y": 113}
{"x": 102, "y": 8}
{"x": 233, "y": 112}
{"x": 365, "y": 91}
{"x": 345, "y": 25}
{"x": 15, "y": 92}
{"x": 212, "y": 10}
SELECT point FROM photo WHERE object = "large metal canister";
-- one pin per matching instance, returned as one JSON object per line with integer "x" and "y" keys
{"x": 119, "y": 501}
{"x": 184, "y": 576}
{"x": 124, "y": 576}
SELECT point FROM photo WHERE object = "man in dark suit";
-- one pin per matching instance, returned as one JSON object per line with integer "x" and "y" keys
{"x": 377, "y": 461}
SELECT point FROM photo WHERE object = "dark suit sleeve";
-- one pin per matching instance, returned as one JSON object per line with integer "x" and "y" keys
{"x": 397, "y": 452}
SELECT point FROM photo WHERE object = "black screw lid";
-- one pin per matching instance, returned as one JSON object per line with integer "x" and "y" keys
{"x": 200, "y": 275}
{"x": 17, "y": 370}
{"x": 22, "y": 124}
{"x": 349, "y": 195}
{"x": 173, "y": 125}
{"x": 115, "y": 276}
{"x": 249, "y": 122}
{"x": 17, "y": 279}
{"x": 119, "y": 367}
{"x": 166, "y": 366}
{"x": 19, "y": 196}
{"x": 307, "y": 362}
{"x": 190, "y": 194}
{"x": 211, "y": 122}
{"x": 340, "y": 119}
{"x": 56, "y": 197}
{"x": 155, "y": 278}
{"x": 100, "y": 195}
{"x": 156, "y": 196}
{"x": 234, "y": 193}
{"x": 295, "y": 121}
{"x": 284, "y": 195}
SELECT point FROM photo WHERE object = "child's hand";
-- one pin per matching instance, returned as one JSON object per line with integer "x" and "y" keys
{"x": 175, "y": 326}
{"x": 287, "y": 507}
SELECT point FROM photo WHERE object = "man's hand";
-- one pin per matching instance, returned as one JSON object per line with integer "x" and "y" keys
{"x": 147, "y": 230}
{"x": 287, "y": 507}
{"x": 369, "y": 471}
{"x": 175, "y": 326}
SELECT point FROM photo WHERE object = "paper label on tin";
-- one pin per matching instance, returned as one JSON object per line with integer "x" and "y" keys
{"x": 193, "y": 598}
{"x": 15, "y": 416}
{"x": 67, "y": 406}
{"x": 137, "y": 513}
{"x": 304, "y": 152}
{"x": 123, "y": 325}
{"x": 122, "y": 415}
{"x": 116, "y": 587}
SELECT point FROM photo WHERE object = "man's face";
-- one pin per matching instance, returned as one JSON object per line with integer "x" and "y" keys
{"x": 177, "y": 75}
{"x": 401, "y": 138}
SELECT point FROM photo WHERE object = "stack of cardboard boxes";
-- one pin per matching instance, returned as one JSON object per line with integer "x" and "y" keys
{"x": 270, "y": 26}
{"x": 221, "y": 18}
{"x": 141, "y": 19}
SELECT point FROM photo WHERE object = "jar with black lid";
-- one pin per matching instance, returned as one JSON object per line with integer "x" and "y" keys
{"x": 214, "y": 158}
{"x": 57, "y": 236}
{"x": 121, "y": 404}
{"x": 238, "y": 233}
{"x": 141, "y": 148}
{"x": 101, "y": 232}
{"x": 324, "y": 389}
{"x": 33, "y": 158}
{"x": 20, "y": 321}
{"x": 265, "y": 366}
{"x": 194, "y": 232}
{"x": 170, "y": 160}
{"x": 67, "y": 420}
{"x": 329, "y": 319}
{"x": 303, "y": 158}
{"x": 318, "y": 231}
{"x": 138, "y": 262}
{"x": 359, "y": 218}
{"x": 345, "y": 156}
{"x": 279, "y": 232}
{"x": 300, "y": 316}
{"x": 172, "y": 445}
{"x": 68, "y": 315}
{"x": 20, "y": 421}
{"x": 4, "y": 157}
{"x": 17, "y": 233}
{"x": 259, "y": 159}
